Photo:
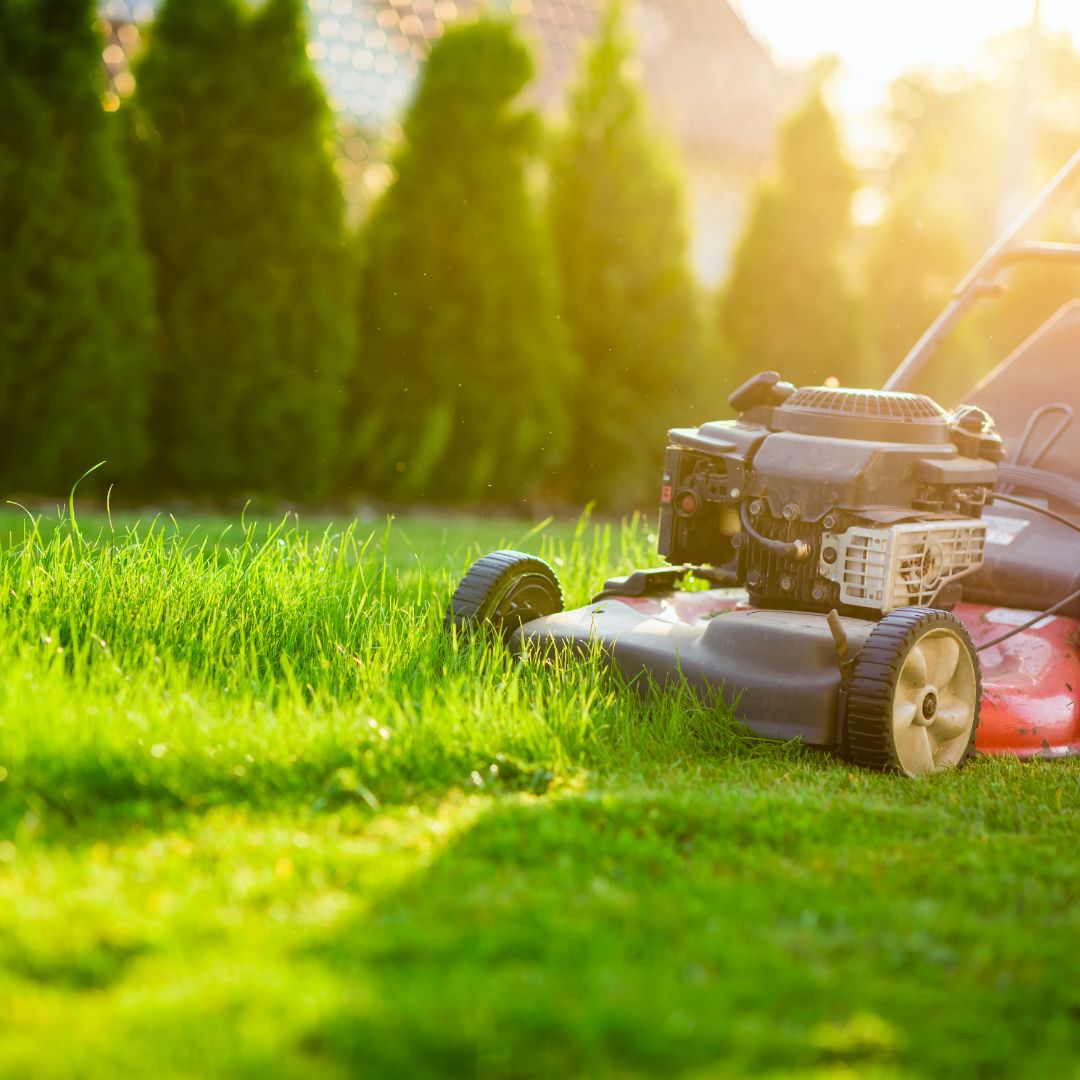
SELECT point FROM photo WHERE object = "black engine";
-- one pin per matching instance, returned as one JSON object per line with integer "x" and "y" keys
{"x": 819, "y": 498}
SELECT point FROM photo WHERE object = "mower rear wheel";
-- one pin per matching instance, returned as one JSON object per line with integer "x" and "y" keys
{"x": 503, "y": 590}
{"x": 913, "y": 702}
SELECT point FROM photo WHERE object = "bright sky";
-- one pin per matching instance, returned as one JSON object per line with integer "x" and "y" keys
{"x": 876, "y": 40}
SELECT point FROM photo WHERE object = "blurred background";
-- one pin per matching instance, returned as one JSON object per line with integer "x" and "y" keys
{"x": 464, "y": 253}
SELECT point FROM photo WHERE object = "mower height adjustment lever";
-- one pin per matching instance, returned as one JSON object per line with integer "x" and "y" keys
{"x": 660, "y": 579}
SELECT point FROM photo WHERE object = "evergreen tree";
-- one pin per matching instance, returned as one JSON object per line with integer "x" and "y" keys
{"x": 466, "y": 362}
{"x": 916, "y": 253}
{"x": 76, "y": 307}
{"x": 629, "y": 296}
{"x": 244, "y": 217}
{"x": 786, "y": 306}
{"x": 939, "y": 215}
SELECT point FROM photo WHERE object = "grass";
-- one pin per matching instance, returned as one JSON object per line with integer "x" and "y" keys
{"x": 259, "y": 816}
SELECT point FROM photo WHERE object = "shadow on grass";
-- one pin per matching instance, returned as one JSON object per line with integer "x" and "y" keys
{"x": 731, "y": 930}
{"x": 745, "y": 916}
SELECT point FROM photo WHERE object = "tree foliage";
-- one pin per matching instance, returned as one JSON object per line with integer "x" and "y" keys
{"x": 76, "y": 306}
{"x": 787, "y": 305}
{"x": 619, "y": 223}
{"x": 939, "y": 211}
{"x": 244, "y": 216}
{"x": 466, "y": 362}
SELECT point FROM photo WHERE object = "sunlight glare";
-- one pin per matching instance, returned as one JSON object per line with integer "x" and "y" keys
{"x": 877, "y": 40}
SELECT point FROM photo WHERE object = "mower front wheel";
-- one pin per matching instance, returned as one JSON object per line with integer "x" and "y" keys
{"x": 913, "y": 701}
{"x": 502, "y": 591}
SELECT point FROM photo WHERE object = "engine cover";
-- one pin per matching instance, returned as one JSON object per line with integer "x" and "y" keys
{"x": 901, "y": 565}
{"x": 822, "y": 498}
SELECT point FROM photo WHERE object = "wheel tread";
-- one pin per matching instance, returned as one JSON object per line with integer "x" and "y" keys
{"x": 486, "y": 577}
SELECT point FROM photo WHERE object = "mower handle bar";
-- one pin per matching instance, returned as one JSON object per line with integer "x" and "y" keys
{"x": 979, "y": 281}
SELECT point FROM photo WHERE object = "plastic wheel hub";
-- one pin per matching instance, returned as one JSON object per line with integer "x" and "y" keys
{"x": 933, "y": 704}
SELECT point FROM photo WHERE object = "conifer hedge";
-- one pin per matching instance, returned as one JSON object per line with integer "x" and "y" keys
{"x": 200, "y": 328}
{"x": 76, "y": 305}
{"x": 465, "y": 362}
{"x": 631, "y": 303}
{"x": 787, "y": 305}
{"x": 244, "y": 217}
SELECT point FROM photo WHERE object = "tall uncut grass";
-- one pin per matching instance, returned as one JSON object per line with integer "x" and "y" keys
{"x": 150, "y": 663}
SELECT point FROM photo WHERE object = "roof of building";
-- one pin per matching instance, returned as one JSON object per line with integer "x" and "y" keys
{"x": 710, "y": 81}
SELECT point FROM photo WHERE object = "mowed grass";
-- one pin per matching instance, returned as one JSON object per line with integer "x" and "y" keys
{"x": 259, "y": 816}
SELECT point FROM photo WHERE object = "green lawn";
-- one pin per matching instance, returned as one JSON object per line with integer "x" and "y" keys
{"x": 259, "y": 817}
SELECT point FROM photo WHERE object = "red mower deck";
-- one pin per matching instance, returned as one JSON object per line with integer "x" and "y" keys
{"x": 1030, "y": 682}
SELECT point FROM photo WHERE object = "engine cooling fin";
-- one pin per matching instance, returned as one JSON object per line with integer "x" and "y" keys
{"x": 839, "y": 412}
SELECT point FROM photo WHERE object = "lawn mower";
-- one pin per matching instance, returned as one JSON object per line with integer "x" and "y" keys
{"x": 886, "y": 578}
